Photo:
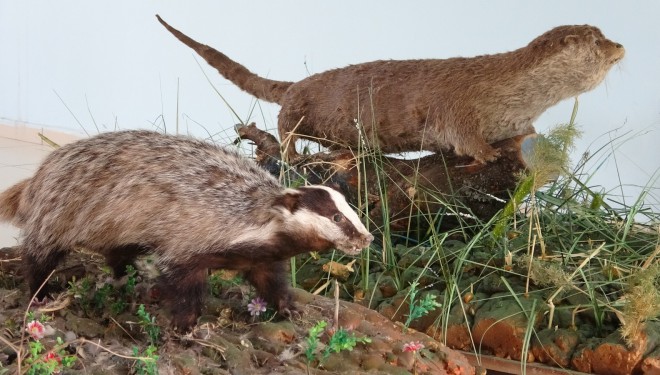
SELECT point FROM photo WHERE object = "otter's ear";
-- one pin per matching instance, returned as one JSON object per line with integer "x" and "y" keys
{"x": 568, "y": 39}
{"x": 289, "y": 199}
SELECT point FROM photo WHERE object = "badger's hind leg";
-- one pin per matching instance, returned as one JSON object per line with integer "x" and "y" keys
{"x": 38, "y": 268}
{"x": 118, "y": 258}
{"x": 270, "y": 281}
{"x": 183, "y": 288}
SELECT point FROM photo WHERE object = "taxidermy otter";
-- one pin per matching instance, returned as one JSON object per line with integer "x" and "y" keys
{"x": 464, "y": 104}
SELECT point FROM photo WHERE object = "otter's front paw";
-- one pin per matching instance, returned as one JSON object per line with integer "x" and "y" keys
{"x": 486, "y": 155}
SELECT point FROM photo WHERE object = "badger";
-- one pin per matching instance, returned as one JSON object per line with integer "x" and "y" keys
{"x": 195, "y": 205}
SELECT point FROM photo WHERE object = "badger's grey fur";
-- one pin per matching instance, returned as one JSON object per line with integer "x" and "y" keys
{"x": 195, "y": 205}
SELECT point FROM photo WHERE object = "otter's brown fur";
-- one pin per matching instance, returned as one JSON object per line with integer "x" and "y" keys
{"x": 432, "y": 104}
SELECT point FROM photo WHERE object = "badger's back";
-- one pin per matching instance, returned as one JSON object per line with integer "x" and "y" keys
{"x": 144, "y": 188}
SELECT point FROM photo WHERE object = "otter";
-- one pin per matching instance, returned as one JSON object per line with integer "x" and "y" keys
{"x": 459, "y": 103}
{"x": 193, "y": 204}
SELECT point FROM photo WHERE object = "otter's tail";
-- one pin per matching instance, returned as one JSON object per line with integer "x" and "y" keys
{"x": 9, "y": 202}
{"x": 262, "y": 88}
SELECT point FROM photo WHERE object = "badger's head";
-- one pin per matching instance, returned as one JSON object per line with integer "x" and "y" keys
{"x": 324, "y": 218}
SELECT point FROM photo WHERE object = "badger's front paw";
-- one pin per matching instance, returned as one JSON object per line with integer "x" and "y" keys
{"x": 287, "y": 308}
{"x": 184, "y": 322}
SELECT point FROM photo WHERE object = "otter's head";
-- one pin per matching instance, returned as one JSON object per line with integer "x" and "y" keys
{"x": 581, "y": 54}
{"x": 324, "y": 218}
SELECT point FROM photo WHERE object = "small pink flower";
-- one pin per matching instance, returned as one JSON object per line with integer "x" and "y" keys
{"x": 413, "y": 346}
{"x": 257, "y": 306}
{"x": 35, "y": 329}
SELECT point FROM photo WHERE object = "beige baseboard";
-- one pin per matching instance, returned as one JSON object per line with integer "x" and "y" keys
{"x": 30, "y": 134}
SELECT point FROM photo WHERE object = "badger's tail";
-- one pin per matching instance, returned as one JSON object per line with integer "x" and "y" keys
{"x": 262, "y": 88}
{"x": 9, "y": 202}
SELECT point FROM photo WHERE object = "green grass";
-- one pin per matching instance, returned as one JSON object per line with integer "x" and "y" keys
{"x": 564, "y": 241}
{"x": 563, "y": 238}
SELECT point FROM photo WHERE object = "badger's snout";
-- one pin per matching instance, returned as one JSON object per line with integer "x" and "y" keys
{"x": 366, "y": 241}
{"x": 356, "y": 245}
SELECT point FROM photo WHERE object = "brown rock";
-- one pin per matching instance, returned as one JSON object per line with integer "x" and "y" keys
{"x": 555, "y": 347}
{"x": 84, "y": 327}
{"x": 500, "y": 325}
{"x": 185, "y": 363}
{"x": 273, "y": 336}
{"x": 387, "y": 339}
{"x": 458, "y": 332}
{"x": 651, "y": 364}
{"x": 458, "y": 336}
{"x": 610, "y": 357}
{"x": 395, "y": 308}
{"x": 387, "y": 286}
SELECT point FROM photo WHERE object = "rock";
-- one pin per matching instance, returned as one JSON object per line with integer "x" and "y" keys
{"x": 10, "y": 299}
{"x": 555, "y": 346}
{"x": 273, "y": 337}
{"x": 395, "y": 308}
{"x": 651, "y": 364}
{"x": 387, "y": 286}
{"x": 418, "y": 257}
{"x": 458, "y": 332}
{"x": 184, "y": 363}
{"x": 500, "y": 325}
{"x": 492, "y": 284}
{"x": 385, "y": 335}
{"x": 84, "y": 327}
{"x": 369, "y": 298}
{"x": 398, "y": 308}
{"x": 412, "y": 274}
{"x": 372, "y": 296}
{"x": 610, "y": 356}
{"x": 309, "y": 275}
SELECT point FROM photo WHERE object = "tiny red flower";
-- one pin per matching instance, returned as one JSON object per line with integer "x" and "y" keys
{"x": 53, "y": 356}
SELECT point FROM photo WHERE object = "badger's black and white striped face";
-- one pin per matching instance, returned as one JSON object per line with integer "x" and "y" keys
{"x": 324, "y": 212}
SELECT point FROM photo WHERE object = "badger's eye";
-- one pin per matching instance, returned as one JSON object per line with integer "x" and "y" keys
{"x": 337, "y": 218}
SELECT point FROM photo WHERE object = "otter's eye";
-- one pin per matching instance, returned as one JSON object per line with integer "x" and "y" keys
{"x": 337, "y": 218}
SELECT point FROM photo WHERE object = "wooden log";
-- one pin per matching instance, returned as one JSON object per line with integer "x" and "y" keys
{"x": 438, "y": 190}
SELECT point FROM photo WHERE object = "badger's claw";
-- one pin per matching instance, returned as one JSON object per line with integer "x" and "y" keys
{"x": 288, "y": 309}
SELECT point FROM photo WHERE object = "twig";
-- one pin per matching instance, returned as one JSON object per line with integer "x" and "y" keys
{"x": 336, "y": 325}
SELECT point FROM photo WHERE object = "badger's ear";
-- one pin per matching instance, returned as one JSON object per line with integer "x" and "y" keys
{"x": 334, "y": 185}
{"x": 288, "y": 199}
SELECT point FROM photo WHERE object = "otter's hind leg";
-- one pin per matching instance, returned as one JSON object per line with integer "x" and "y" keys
{"x": 469, "y": 141}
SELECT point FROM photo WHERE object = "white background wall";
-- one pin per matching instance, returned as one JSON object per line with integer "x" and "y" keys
{"x": 114, "y": 66}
